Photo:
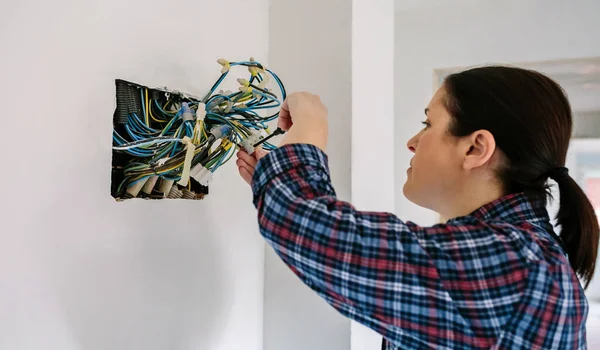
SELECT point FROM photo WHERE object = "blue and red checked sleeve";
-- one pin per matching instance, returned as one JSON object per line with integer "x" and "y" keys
{"x": 446, "y": 286}
{"x": 369, "y": 266}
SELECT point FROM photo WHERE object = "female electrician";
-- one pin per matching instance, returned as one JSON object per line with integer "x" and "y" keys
{"x": 495, "y": 275}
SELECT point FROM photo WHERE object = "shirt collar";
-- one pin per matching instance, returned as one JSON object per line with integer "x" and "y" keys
{"x": 515, "y": 207}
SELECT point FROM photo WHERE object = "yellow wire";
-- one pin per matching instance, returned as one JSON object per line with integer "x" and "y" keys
{"x": 153, "y": 118}
{"x": 200, "y": 131}
{"x": 177, "y": 165}
{"x": 146, "y": 103}
{"x": 245, "y": 98}
{"x": 197, "y": 132}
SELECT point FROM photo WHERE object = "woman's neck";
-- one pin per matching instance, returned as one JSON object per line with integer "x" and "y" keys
{"x": 471, "y": 198}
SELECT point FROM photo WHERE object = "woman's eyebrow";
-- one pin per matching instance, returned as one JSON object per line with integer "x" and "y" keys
{"x": 426, "y": 111}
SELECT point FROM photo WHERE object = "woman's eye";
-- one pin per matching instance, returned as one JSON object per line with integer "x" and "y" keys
{"x": 426, "y": 123}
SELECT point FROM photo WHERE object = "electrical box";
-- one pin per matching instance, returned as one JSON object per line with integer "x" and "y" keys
{"x": 168, "y": 144}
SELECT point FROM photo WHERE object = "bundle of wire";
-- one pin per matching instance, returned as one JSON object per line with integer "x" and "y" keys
{"x": 177, "y": 139}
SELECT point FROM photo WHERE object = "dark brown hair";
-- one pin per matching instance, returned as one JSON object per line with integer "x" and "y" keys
{"x": 530, "y": 118}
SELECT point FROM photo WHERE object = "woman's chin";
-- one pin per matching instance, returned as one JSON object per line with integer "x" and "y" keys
{"x": 406, "y": 190}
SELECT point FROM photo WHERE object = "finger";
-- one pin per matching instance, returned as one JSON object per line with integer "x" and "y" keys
{"x": 245, "y": 174}
{"x": 250, "y": 159}
{"x": 260, "y": 152}
{"x": 241, "y": 162}
{"x": 284, "y": 122}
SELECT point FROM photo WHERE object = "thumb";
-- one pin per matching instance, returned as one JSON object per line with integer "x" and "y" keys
{"x": 284, "y": 121}
{"x": 259, "y": 152}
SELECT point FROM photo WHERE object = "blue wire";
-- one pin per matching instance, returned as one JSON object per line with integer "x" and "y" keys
{"x": 169, "y": 126}
{"x": 131, "y": 134}
{"x": 267, "y": 107}
{"x": 162, "y": 154}
{"x": 218, "y": 117}
{"x": 170, "y": 114}
{"x": 137, "y": 129}
{"x": 190, "y": 130}
{"x": 283, "y": 93}
{"x": 216, "y": 166}
{"x": 253, "y": 63}
{"x": 217, "y": 96}
{"x": 136, "y": 126}
{"x": 218, "y": 82}
{"x": 143, "y": 104}
{"x": 136, "y": 181}
{"x": 175, "y": 145}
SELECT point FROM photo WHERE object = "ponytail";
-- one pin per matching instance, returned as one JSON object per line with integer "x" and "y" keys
{"x": 579, "y": 228}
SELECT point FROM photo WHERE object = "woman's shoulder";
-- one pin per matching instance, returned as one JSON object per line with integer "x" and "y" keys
{"x": 524, "y": 241}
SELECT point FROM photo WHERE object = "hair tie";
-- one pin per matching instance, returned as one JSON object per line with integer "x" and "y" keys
{"x": 559, "y": 173}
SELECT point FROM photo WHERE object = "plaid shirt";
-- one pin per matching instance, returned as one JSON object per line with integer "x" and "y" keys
{"x": 493, "y": 279}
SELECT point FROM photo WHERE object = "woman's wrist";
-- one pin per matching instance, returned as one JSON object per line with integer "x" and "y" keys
{"x": 313, "y": 133}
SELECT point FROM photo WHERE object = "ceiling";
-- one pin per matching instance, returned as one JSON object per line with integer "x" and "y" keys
{"x": 407, "y": 5}
{"x": 580, "y": 78}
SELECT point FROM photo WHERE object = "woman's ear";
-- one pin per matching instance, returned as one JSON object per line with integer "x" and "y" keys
{"x": 480, "y": 146}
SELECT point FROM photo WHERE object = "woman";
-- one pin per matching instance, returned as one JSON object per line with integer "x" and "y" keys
{"x": 495, "y": 275}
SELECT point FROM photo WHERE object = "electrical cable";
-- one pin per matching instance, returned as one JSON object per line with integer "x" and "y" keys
{"x": 152, "y": 134}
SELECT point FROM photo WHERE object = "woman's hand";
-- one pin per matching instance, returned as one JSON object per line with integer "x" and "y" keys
{"x": 246, "y": 163}
{"x": 304, "y": 117}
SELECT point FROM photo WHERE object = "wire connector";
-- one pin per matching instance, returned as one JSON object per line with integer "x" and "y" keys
{"x": 220, "y": 131}
{"x": 249, "y": 142}
{"x": 226, "y": 65}
{"x": 252, "y": 69}
{"x": 201, "y": 112}
{"x": 229, "y": 107}
{"x": 226, "y": 143}
{"x": 243, "y": 82}
{"x": 245, "y": 89}
{"x": 263, "y": 82}
{"x": 187, "y": 113}
{"x": 202, "y": 174}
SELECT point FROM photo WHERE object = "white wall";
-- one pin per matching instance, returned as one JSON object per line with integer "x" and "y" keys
{"x": 310, "y": 48}
{"x": 77, "y": 269}
{"x": 372, "y": 121}
{"x": 586, "y": 124}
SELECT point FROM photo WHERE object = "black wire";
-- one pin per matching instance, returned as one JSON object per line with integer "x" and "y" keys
{"x": 277, "y": 131}
{"x": 217, "y": 82}
{"x": 263, "y": 91}
{"x": 252, "y": 65}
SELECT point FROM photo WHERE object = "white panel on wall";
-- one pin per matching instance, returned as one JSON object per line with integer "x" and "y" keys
{"x": 310, "y": 48}
{"x": 373, "y": 180}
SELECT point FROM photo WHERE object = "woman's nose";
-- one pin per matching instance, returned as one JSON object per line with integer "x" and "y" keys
{"x": 412, "y": 144}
